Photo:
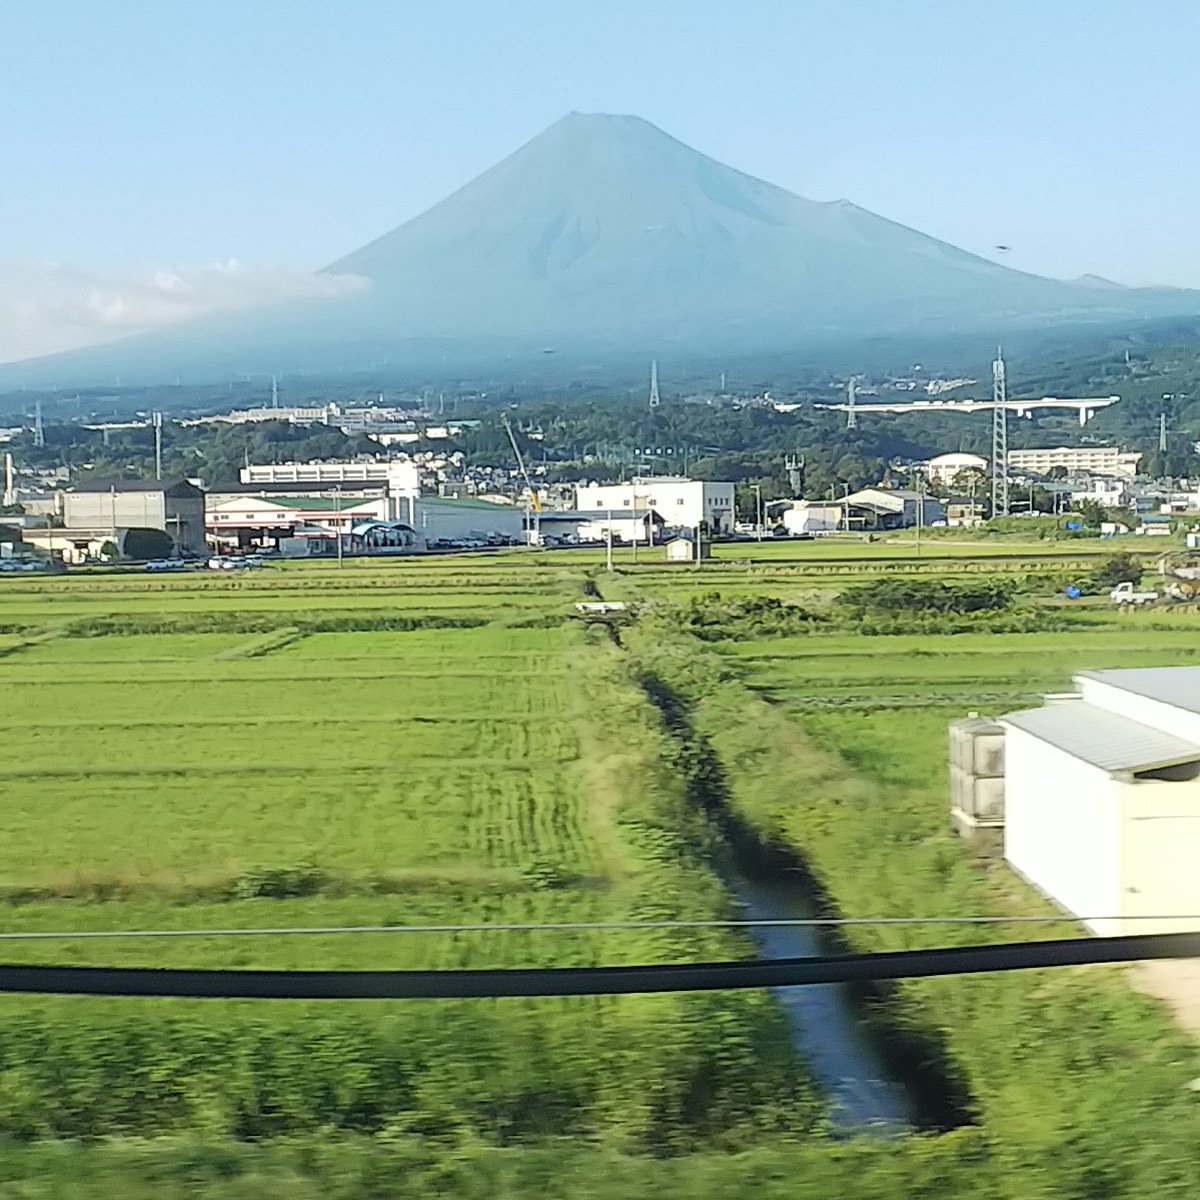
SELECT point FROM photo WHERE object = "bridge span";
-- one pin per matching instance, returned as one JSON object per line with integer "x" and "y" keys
{"x": 1085, "y": 406}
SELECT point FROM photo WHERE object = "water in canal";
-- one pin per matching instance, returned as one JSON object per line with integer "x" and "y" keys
{"x": 827, "y": 1029}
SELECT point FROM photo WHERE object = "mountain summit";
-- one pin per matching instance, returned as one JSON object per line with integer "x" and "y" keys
{"x": 605, "y": 233}
{"x": 605, "y": 225}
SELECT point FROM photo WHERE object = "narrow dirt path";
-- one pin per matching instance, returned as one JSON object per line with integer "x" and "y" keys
{"x": 1176, "y": 982}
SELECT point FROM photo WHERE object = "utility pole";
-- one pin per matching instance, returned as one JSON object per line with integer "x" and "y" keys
{"x": 655, "y": 401}
{"x": 920, "y": 509}
{"x": 39, "y": 431}
{"x": 758, "y": 509}
{"x": 999, "y": 438}
{"x": 337, "y": 521}
{"x": 608, "y": 564}
{"x": 157, "y": 419}
{"x": 274, "y": 391}
{"x": 1162, "y": 433}
{"x": 851, "y": 415}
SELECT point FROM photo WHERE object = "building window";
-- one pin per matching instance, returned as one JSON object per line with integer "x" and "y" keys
{"x": 624, "y": 503}
{"x": 679, "y": 500}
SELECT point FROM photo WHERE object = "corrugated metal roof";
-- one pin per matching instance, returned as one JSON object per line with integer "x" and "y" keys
{"x": 1178, "y": 686}
{"x": 1102, "y": 738}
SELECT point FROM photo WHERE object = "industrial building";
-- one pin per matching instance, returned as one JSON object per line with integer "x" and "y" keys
{"x": 680, "y": 504}
{"x": 892, "y": 508}
{"x": 112, "y": 507}
{"x": 401, "y": 478}
{"x": 811, "y": 517}
{"x": 248, "y": 515}
{"x": 1077, "y": 460}
{"x": 943, "y": 468}
{"x": 441, "y": 518}
{"x": 1101, "y": 808}
{"x": 260, "y": 514}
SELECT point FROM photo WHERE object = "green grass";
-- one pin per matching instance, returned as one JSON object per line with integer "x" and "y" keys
{"x": 512, "y": 773}
{"x": 435, "y": 775}
{"x": 1081, "y": 1085}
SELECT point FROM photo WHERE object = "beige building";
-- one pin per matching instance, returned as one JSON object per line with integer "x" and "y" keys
{"x": 174, "y": 506}
{"x": 1078, "y": 460}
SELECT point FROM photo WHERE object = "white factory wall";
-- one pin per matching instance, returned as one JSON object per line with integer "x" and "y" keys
{"x": 682, "y": 503}
{"x": 1165, "y": 717}
{"x": 402, "y": 477}
{"x": 812, "y": 518}
{"x": 125, "y": 510}
{"x": 1160, "y": 847}
{"x": 1062, "y": 828}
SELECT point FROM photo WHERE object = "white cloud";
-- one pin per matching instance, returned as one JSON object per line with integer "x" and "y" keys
{"x": 46, "y": 307}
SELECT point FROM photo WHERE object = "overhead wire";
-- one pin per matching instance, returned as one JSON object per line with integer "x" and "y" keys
{"x": 36, "y": 935}
{"x": 591, "y": 981}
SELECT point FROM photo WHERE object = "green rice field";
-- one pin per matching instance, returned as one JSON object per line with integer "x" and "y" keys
{"x": 442, "y": 742}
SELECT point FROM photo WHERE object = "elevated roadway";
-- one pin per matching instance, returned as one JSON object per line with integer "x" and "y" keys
{"x": 1085, "y": 406}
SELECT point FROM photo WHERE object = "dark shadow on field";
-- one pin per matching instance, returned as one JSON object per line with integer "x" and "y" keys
{"x": 911, "y": 1052}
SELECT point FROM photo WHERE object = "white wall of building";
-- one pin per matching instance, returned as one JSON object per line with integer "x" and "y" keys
{"x": 1098, "y": 460}
{"x": 812, "y": 518}
{"x": 629, "y": 528}
{"x": 1062, "y": 828}
{"x": 1160, "y": 841}
{"x": 682, "y": 503}
{"x": 944, "y": 467}
{"x": 122, "y": 510}
{"x": 401, "y": 476}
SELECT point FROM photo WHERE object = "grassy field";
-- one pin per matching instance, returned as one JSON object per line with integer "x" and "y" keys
{"x": 438, "y": 742}
{"x": 165, "y": 774}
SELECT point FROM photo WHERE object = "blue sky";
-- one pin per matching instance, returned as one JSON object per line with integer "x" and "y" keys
{"x": 143, "y": 133}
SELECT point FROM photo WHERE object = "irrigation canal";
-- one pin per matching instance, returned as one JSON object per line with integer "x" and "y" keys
{"x": 826, "y": 1026}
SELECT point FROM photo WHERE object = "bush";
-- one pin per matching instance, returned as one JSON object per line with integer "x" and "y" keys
{"x": 1120, "y": 568}
{"x": 887, "y": 597}
{"x": 279, "y": 883}
{"x": 712, "y": 618}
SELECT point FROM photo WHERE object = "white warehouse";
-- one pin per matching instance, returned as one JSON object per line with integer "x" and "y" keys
{"x": 680, "y": 503}
{"x": 1102, "y": 799}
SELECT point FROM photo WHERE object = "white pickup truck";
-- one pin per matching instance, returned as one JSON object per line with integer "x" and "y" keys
{"x": 1124, "y": 593}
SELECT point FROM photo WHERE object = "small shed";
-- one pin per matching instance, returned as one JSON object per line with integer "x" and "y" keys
{"x": 683, "y": 549}
{"x": 1102, "y": 799}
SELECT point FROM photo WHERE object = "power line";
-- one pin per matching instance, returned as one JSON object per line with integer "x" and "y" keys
{"x": 38, "y": 935}
{"x": 591, "y": 981}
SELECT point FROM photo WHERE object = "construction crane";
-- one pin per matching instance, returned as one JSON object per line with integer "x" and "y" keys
{"x": 534, "y": 502}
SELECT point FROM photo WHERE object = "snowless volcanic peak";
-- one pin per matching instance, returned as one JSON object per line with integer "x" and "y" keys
{"x": 604, "y": 233}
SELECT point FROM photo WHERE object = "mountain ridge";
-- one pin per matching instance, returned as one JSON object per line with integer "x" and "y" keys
{"x": 604, "y": 231}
